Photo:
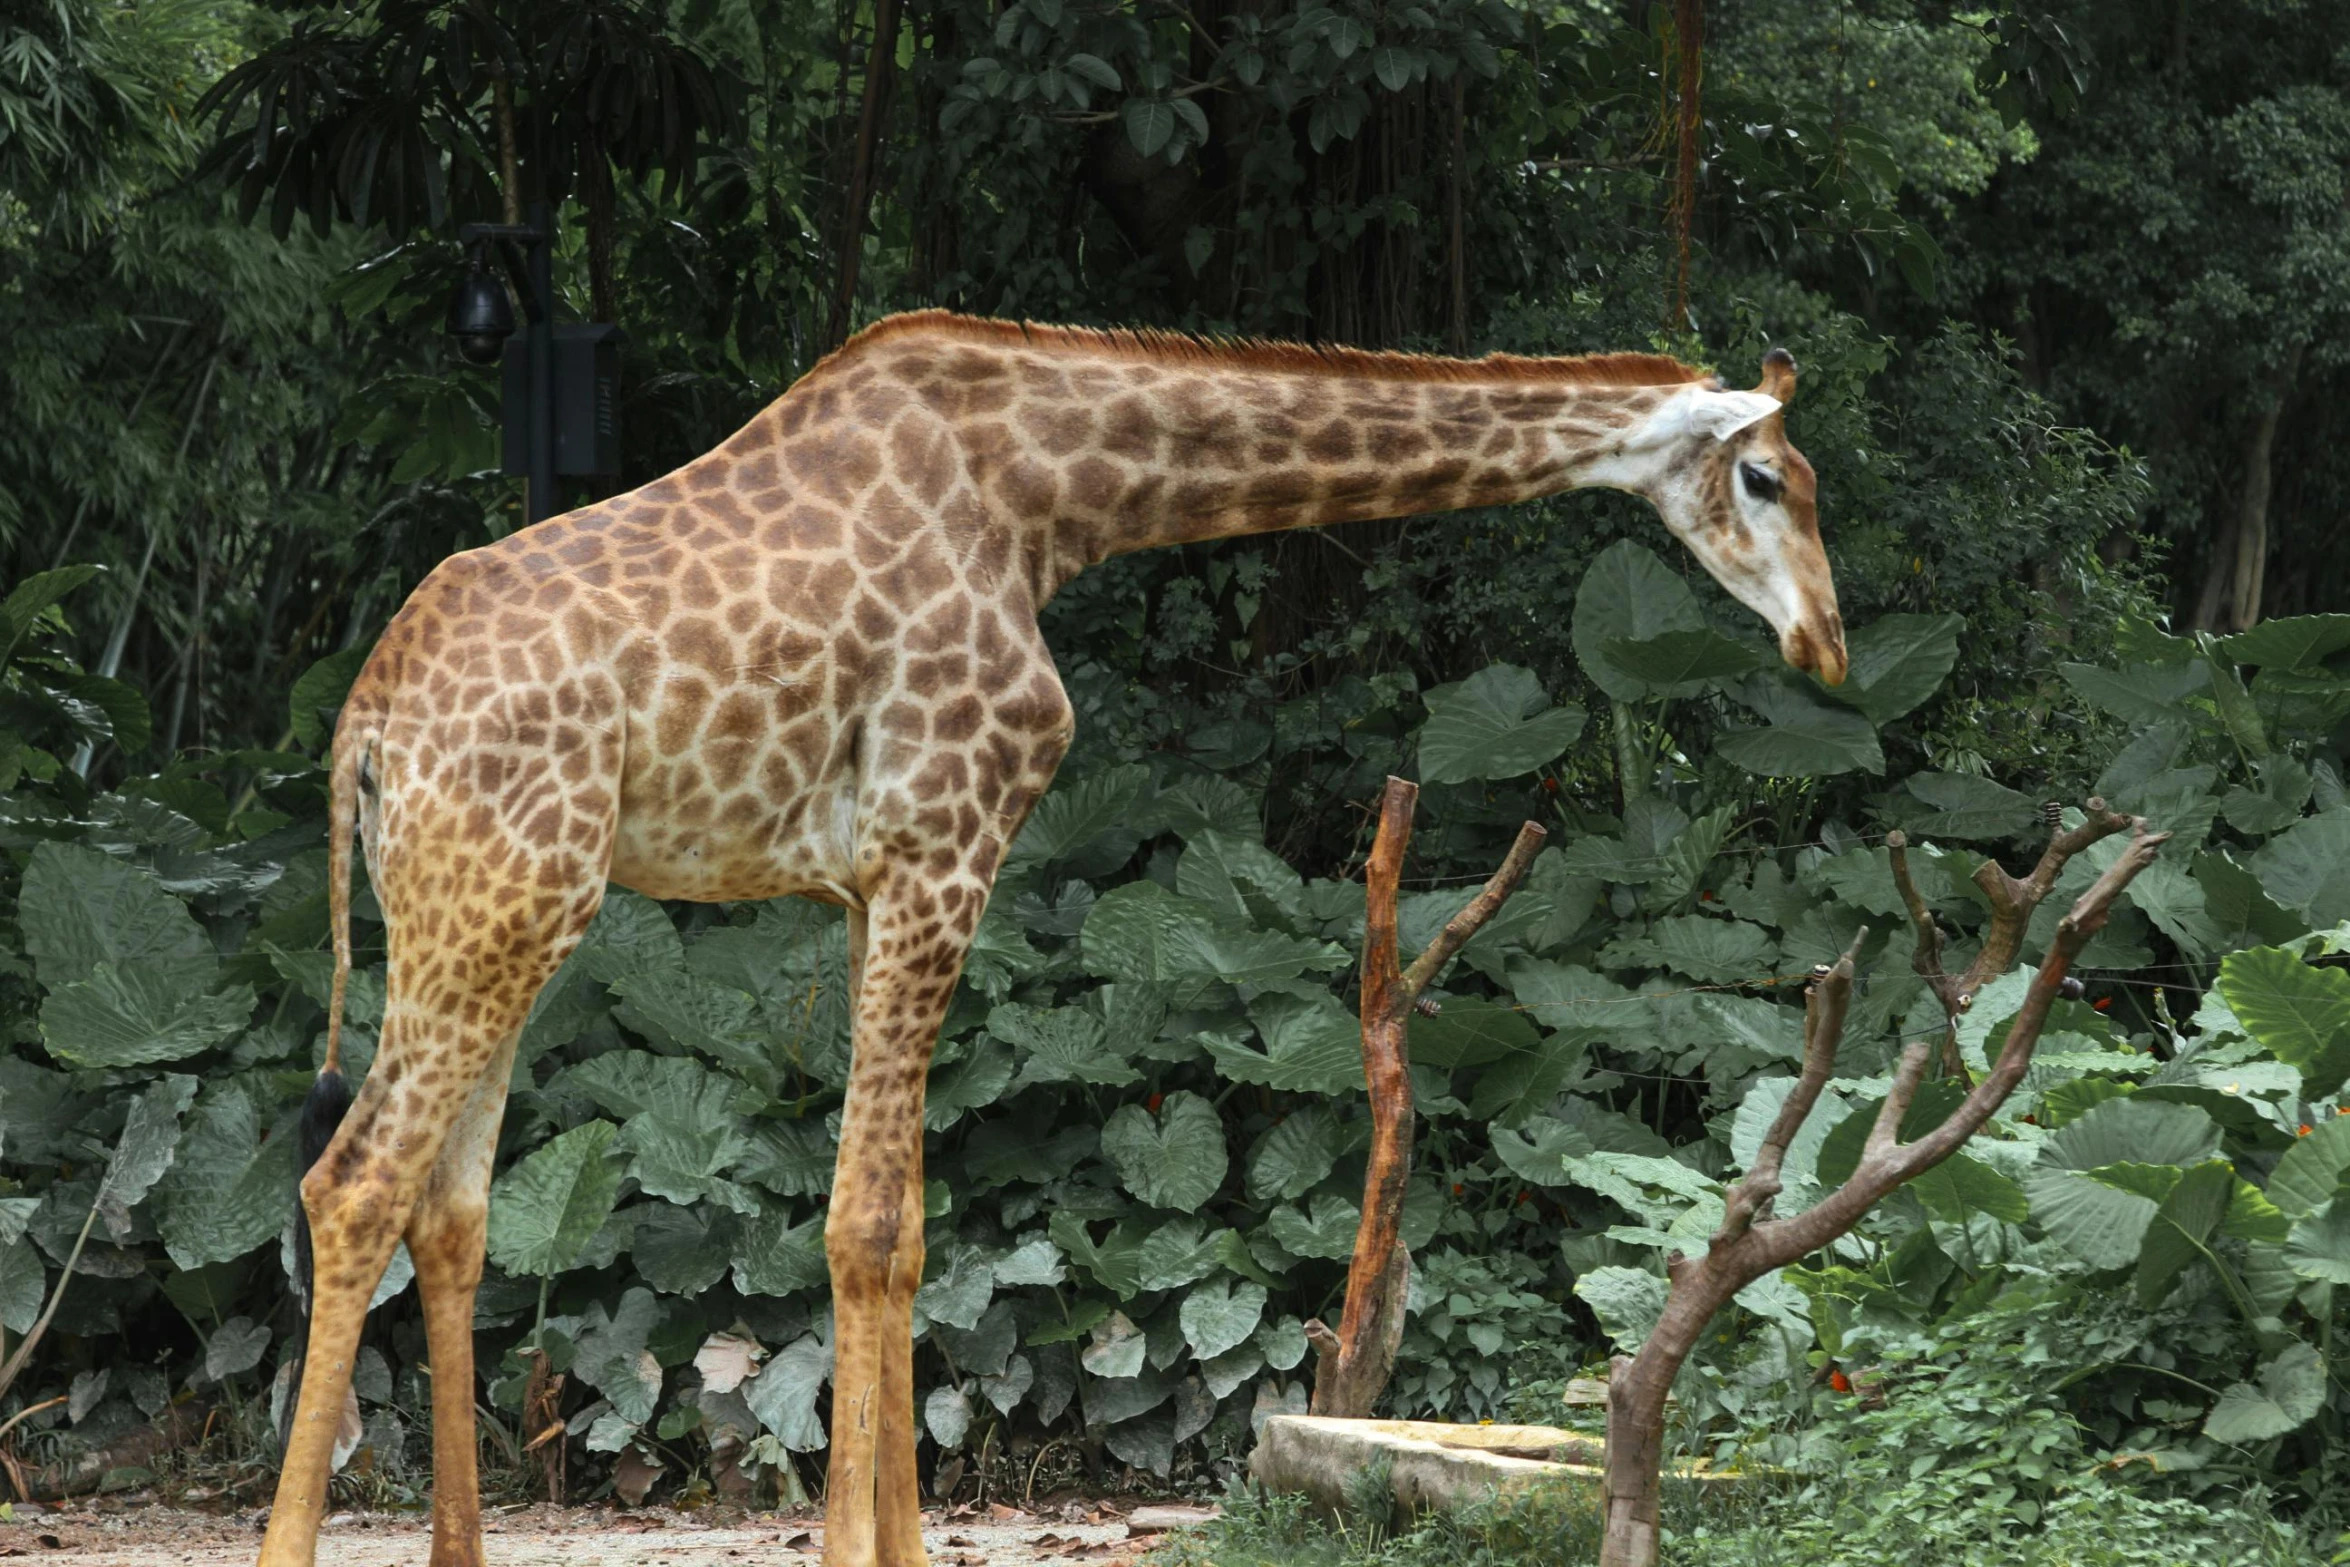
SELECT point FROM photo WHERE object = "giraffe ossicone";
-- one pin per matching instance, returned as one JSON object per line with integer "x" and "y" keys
{"x": 808, "y": 663}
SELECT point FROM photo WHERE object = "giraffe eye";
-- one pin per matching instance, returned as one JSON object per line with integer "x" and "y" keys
{"x": 1760, "y": 482}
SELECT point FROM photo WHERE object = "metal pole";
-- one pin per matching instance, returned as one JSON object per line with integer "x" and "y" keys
{"x": 539, "y": 502}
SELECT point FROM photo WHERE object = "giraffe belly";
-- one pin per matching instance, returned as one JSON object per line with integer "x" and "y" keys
{"x": 738, "y": 848}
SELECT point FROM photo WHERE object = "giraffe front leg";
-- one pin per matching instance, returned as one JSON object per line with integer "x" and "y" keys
{"x": 916, "y": 935}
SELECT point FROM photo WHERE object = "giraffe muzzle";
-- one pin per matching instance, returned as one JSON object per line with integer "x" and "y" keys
{"x": 1816, "y": 646}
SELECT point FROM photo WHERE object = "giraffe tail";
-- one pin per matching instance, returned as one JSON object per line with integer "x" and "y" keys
{"x": 329, "y": 1099}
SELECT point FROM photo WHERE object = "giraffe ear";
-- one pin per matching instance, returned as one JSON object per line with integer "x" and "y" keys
{"x": 1778, "y": 376}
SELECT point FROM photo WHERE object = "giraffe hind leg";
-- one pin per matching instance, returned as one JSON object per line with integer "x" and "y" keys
{"x": 446, "y": 1231}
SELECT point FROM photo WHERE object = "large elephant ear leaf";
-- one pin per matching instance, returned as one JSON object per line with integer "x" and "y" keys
{"x": 545, "y": 1210}
{"x": 2306, "y": 1177}
{"x": 2290, "y": 1391}
{"x": 1628, "y": 594}
{"x": 2301, "y": 1014}
{"x": 1898, "y": 661}
{"x": 1495, "y": 724}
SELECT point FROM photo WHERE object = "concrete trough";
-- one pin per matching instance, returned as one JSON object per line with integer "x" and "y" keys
{"x": 1431, "y": 1464}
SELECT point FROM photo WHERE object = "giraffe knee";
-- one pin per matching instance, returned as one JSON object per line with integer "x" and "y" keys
{"x": 445, "y": 1242}
{"x": 875, "y": 1248}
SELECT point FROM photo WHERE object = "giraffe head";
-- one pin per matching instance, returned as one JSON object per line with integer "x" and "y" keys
{"x": 1719, "y": 468}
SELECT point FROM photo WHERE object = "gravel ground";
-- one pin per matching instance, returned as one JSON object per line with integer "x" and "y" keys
{"x": 584, "y": 1537}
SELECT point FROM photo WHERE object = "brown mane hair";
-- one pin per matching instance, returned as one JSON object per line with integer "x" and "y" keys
{"x": 1257, "y": 354}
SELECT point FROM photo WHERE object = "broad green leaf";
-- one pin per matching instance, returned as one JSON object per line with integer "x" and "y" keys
{"x": 1245, "y": 882}
{"x": 1962, "y": 806}
{"x": 318, "y": 696}
{"x": 680, "y": 1130}
{"x": 2237, "y": 713}
{"x": 1036, "y": 1261}
{"x": 1841, "y": 1149}
{"x": 2132, "y": 1130}
{"x": 1679, "y": 663}
{"x": 1809, "y": 736}
{"x": 1469, "y": 1031}
{"x": 1220, "y": 1315}
{"x": 961, "y": 1282}
{"x": 1323, "y": 1228}
{"x": 2140, "y": 694}
{"x": 26, "y": 602}
{"x": 1627, "y": 1302}
{"x": 1538, "y": 1152}
{"x": 614, "y": 1358}
{"x": 789, "y": 1158}
{"x": 1524, "y": 1081}
{"x": 2252, "y": 1217}
{"x": 2310, "y": 1172}
{"x": 1150, "y": 124}
{"x": 1060, "y": 1045}
{"x": 150, "y": 1137}
{"x": 1174, "y": 1160}
{"x": 1897, "y": 662}
{"x": 1292, "y": 1158}
{"x": 984, "y": 1350}
{"x": 2306, "y": 868}
{"x": 783, "y": 1394}
{"x": 2290, "y": 1392}
{"x": 2300, "y": 1013}
{"x": 973, "y": 1083}
{"x": 682, "y": 1251}
{"x": 1312, "y": 1045}
{"x": 1628, "y": 593}
{"x": 137, "y": 1016}
{"x": 24, "y": 1285}
{"x": 2319, "y": 1245}
{"x": 1495, "y": 724}
{"x": 2295, "y": 642}
{"x": 230, "y": 1186}
{"x": 1141, "y": 931}
{"x": 946, "y": 1414}
{"x": 80, "y": 908}
{"x": 2101, "y": 1225}
{"x": 1712, "y": 951}
{"x": 1179, "y": 1253}
{"x": 1115, "y": 1261}
{"x": 2182, "y": 1227}
{"x": 1961, "y": 1185}
{"x": 773, "y": 1256}
{"x": 235, "y": 1348}
{"x": 545, "y": 1210}
{"x": 1116, "y": 1349}
{"x": 1088, "y": 827}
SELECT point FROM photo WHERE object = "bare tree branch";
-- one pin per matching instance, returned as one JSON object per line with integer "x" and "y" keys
{"x": 1750, "y": 1243}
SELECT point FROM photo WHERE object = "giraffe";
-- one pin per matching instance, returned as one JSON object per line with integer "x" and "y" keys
{"x": 809, "y": 663}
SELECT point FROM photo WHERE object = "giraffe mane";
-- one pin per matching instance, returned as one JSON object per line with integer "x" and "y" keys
{"x": 1162, "y": 347}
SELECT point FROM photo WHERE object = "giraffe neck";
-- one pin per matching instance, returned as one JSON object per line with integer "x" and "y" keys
{"x": 1095, "y": 444}
{"x": 1264, "y": 451}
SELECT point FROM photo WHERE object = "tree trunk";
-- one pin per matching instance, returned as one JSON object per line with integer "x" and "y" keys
{"x": 1637, "y": 1387}
{"x": 880, "y": 62}
{"x": 2234, "y": 582}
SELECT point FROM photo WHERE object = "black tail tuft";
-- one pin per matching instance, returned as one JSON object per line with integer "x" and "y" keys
{"x": 329, "y": 1101}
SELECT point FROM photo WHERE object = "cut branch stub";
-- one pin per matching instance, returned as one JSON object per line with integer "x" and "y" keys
{"x": 1354, "y": 1363}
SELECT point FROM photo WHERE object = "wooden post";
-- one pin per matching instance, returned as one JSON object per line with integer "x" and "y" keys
{"x": 1354, "y": 1363}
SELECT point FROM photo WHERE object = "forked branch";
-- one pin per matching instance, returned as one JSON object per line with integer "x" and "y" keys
{"x": 1751, "y": 1241}
{"x": 1354, "y": 1362}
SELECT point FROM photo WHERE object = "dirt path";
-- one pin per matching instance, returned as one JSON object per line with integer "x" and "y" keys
{"x": 573, "y": 1537}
